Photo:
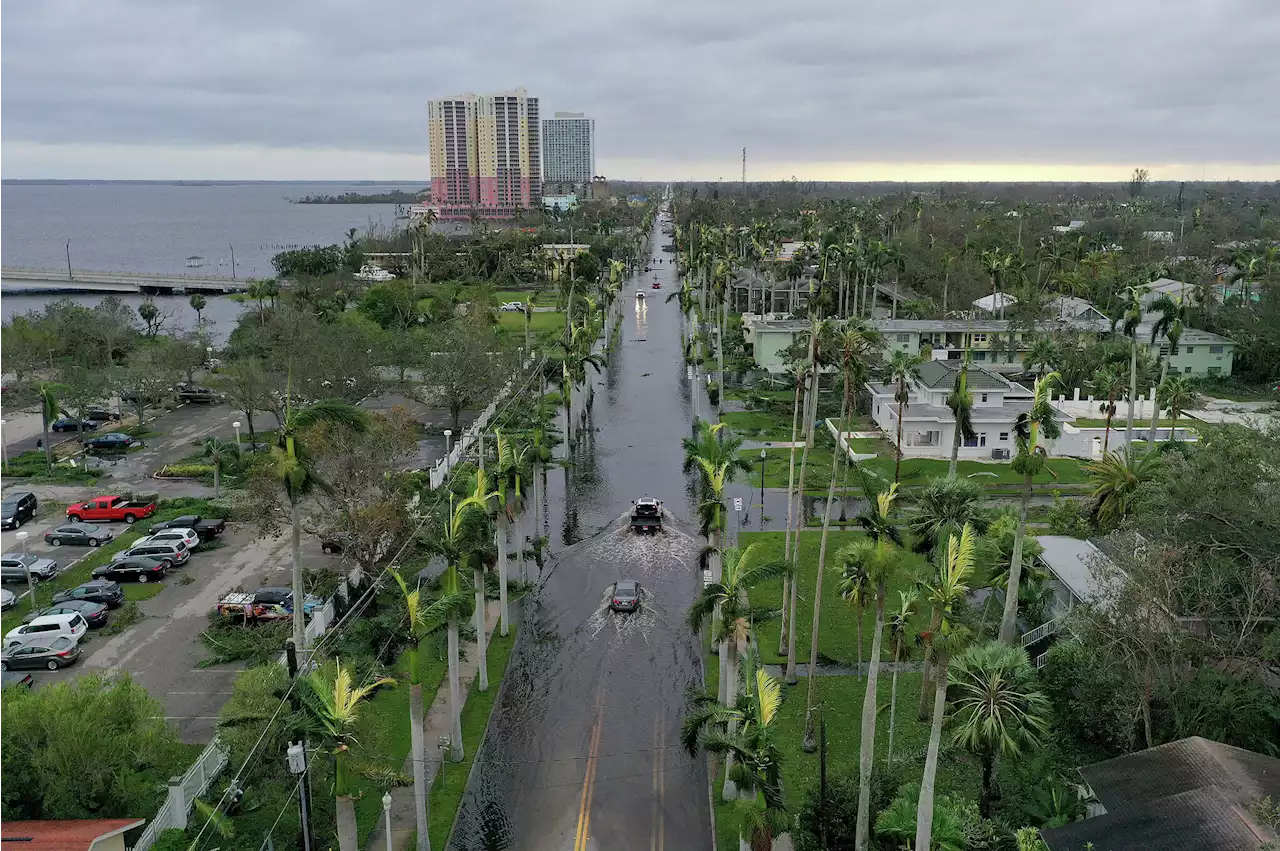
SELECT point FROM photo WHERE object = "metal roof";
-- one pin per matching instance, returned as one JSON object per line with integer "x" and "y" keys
{"x": 935, "y": 374}
{"x": 1071, "y": 561}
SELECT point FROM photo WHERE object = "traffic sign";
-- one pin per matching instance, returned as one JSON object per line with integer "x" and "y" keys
{"x": 737, "y": 503}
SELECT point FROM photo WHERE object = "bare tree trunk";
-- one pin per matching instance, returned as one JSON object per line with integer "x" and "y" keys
{"x": 455, "y": 692}
{"x": 811, "y": 406}
{"x": 786, "y": 541}
{"x": 346, "y": 819}
{"x": 299, "y": 626}
{"x": 1009, "y": 622}
{"x": 893, "y": 712}
{"x": 924, "y": 809}
{"x": 1155, "y": 406}
{"x": 418, "y": 740}
{"x": 502, "y": 536}
{"x": 935, "y": 623}
{"x": 482, "y": 671}
{"x": 867, "y": 746}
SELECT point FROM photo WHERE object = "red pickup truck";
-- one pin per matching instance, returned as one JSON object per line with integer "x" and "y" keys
{"x": 106, "y": 508}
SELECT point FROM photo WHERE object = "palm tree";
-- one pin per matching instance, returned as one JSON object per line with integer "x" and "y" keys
{"x": 1107, "y": 383}
{"x": 332, "y": 707}
{"x": 576, "y": 356}
{"x": 422, "y": 621}
{"x": 855, "y": 585}
{"x": 730, "y": 597}
{"x": 510, "y": 504}
{"x": 1173, "y": 315}
{"x": 902, "y": 369}
{"x": 1132, "y": 317}
{"x": 50, "y": 410}
{"x": 198, "y": 304}
{"x": 463, "y": 537}
{"x": 943, "y": 508}
{"x": 220, "y": 454}
{"x": 293, "y": 469}
{"x": 1116, "y": 478}
{"x": 881, "y": 560}
{"x": 998, "y": 711}
{"x": 1177, "y": 393}
{"x": 481, "y": 557}
{"x": 898, "y": 625}
{"x": 1043, "y": 356}
{"x": 1029, "y": 429}
{"x": 948, "y": 590}
{"x": 798, "y": 375}
{"x": 960, "y": 401}
{"x": 757, "y": 760}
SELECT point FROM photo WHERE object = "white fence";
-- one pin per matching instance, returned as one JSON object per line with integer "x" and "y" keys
{"x": 471, "y": 434}
{"x": 182, "y": 793}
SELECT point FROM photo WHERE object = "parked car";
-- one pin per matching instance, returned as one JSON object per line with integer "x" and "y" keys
{"x": 101, "y": 415}
{"x": 198, "y": 395}
{"x": 70, "y": 423}
{"x": 511, "y": 307}
{"x": 15, "y": 566}
{"x": 18, "y": 507}
{"x": 107, "y": 508}
{"x": 10, "y": 679}
{"x": 95, "y": 614}
{"x": 206, "y": 529}
{"x": 134, "y": 397}
{"x": 116, "y": 441}
{"x": 134, "y": 569}
{"x": 53, "y": 654}
{"x": 187, "y": 536}
{"x": 97, "y": 590}
{"x": 8, "y": 599}
{"x": 78, "y": 535}
{"x": 42, "y": 629}
{"x": 175, "y": 551}
{"x": 625, "y": 596}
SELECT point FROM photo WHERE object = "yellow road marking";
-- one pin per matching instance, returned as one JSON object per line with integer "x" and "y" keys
{"x": 588, "y": 781}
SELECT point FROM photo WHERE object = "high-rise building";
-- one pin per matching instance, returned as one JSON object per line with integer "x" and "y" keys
{"x": 569, "y": 149}
{"x": 451, "y": 129}
{"x": 486, "y": 155}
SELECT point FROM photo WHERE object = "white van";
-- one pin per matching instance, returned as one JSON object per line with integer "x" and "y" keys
{"x": 69, "y": 624}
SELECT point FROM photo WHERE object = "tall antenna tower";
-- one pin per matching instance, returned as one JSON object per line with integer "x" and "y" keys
{"x": 744, "y": 172}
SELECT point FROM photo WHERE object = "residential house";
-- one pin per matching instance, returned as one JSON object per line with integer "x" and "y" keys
{"x": 1071, "y": 307}
{"x": 1001, "y": 344}
{"x": 1164, "y": 236}
{"x": 558, "y": 255}
{"x": 928, "y": 425}
{"x": 1190, "y": 795}
{"x": 1076, "y": 224}
{"x": 993, "y": 304}
{"x": 67, "y": 834}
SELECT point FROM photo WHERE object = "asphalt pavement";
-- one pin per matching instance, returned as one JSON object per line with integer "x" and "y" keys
{"x": 583, "y": 751}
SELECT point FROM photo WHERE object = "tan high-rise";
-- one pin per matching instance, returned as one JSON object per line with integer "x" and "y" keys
{"x": 486, "y": 153}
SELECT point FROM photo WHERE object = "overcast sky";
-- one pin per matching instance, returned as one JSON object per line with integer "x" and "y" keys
{"x": 835, "y": 89}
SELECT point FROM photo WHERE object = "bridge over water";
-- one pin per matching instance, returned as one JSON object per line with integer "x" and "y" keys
{"x": 85, "y": 281}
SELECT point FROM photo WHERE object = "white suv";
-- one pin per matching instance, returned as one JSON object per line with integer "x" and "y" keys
{"x": 70, "y": 624}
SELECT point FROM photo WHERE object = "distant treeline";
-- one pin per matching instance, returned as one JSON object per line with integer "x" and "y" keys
{"x": 395, "y": 196}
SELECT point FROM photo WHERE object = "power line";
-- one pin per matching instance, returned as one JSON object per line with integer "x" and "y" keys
{"x": 359, "y": 606}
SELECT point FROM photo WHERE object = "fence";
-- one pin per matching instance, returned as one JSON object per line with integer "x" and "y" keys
{"x": 182, "y": 793}
{"x": 470, "y": 435}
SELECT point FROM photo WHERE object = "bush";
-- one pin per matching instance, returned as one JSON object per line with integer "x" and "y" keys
{"x": 839, "y": 811}
{"x": 1090, "y": 702}
{"x": 1069, "y": 517}
{"x": 185, "y": 471}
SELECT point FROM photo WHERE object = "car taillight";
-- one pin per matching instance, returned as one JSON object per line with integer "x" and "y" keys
{"x": 617, "y": 602}
{"x": 65, "y": 653}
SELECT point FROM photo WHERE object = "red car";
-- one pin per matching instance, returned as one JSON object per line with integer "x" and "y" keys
{"x": 656, "y": 285}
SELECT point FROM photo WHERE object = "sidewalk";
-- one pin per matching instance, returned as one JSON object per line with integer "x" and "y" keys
{"x": 436, "y": 723}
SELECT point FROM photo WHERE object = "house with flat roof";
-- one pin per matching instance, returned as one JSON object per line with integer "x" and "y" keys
{"x": 928, "y": 425}
{"x": 1190, "y": 795}
{"x": 94, "y": 834}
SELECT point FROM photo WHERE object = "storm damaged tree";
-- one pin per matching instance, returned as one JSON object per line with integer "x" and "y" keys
{"x": 466, "y": 365}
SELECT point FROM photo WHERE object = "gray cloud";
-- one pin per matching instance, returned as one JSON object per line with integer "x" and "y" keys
{"x": 670, "y": 83}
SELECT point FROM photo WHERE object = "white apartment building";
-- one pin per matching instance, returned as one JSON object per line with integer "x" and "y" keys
{"x": 569, "y": 149}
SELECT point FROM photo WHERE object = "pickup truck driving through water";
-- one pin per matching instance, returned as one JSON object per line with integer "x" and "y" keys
{"x": 109, "y": 508}
{"x": 646, "y": 515}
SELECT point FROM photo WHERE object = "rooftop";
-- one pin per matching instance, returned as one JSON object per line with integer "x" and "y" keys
{"x": 1071, "y": 561}
{"x": 1190, "y": 795}
{"x": 942, "y": 373}
{"x": 63, "y": 835}
{"x": 994, "y": 302}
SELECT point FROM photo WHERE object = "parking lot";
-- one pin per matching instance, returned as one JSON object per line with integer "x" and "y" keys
{"x": 163, "y": 651}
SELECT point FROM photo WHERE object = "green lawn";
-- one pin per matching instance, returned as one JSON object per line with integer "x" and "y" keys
{"x": 383, "y": 729}
{"x": 446, "y": 794}
{"x": 915, "y": 471}
{"x": 539, "y": 323}
{"x": 1118, "y": 423}
{"x": 758, "y": 425}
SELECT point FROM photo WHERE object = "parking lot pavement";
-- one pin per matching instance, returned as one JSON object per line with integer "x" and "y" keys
{"x": 163, "y": 651}
{"x": 181, "y": 432}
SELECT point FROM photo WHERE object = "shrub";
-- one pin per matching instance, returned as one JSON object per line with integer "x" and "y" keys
{"x": 185, "y": 471}
{"x": 1092, "y": 704}
{"x": 1069, "y": 517}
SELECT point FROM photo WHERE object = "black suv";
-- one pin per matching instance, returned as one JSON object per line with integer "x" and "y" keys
{"x": 97, "y": 590}
{"x": 18, "y": 507}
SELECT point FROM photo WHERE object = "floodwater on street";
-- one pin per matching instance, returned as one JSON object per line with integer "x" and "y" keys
{"x": 583, "y": 751}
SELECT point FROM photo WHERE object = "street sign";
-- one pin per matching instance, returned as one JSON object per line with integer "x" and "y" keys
{"x": 688, "y": 372}
{"x": 737, "y": 503}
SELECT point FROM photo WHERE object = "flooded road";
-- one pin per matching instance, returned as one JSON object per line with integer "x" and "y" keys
{"x": 583, "y": 751}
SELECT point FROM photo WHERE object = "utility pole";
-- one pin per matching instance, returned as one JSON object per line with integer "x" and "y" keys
{"x": 297, "y": 753}
{"x": 233, "y": 260}
{"x": 744, "y": 174}
{"x": 70, "y": 277}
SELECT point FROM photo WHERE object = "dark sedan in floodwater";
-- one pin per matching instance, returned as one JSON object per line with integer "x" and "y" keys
{"x": 626, "y": 596}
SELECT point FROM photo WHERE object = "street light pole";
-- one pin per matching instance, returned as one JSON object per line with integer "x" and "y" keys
{"x": 386, "y": 810}
{"x": 233, "y": 260}
{"x": 236, "y": 425}
{"x": 4, "y": 445}
{"x": 763, "y": 455}
{"x": 448, "y": 446}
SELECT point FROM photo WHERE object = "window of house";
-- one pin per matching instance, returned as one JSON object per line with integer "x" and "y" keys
{"x": 980, "y": 355}
{"x": 904, "y": 338}
{"x": 1186, "y": 369}
{"x": 982, "y": 438}
{"x": 1215, "y": 370}
{"x": 1004, "y": 435}
{"x": 971, "y": 441}
{"x": 1215, "y": 350}
{"x": 979, "y": 338}
{"x": 984, "y": 397}
{"x": 1189, "y": 349}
